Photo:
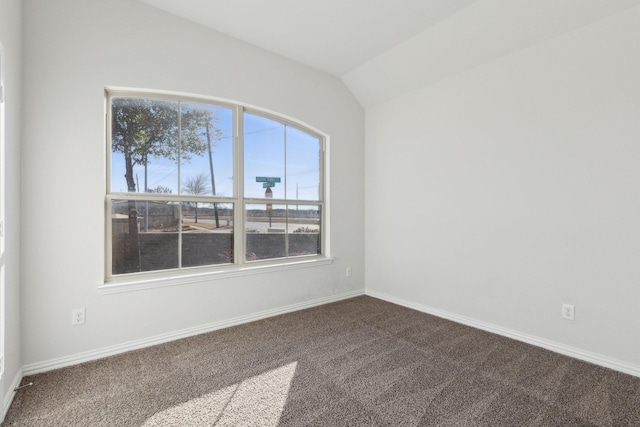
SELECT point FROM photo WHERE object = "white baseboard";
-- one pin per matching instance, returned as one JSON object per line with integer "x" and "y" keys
{"x": 577, "y": 353}
{"x": 8, "y": 399}
{"x": 75, "y": 359}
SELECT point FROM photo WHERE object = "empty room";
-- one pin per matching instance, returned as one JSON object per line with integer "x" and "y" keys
{"x": 299, "y": 212}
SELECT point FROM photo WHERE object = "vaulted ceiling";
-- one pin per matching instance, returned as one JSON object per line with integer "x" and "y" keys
{"x": 385, "y": 48}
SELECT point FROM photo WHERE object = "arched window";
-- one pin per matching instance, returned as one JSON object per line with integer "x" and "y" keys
{"x": 194, "y": 183}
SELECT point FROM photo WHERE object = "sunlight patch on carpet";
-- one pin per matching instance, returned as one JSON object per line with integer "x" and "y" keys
{"x": 258, "y": 400}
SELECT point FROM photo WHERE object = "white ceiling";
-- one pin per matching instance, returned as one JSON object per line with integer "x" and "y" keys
{"x": 385, "y": 48}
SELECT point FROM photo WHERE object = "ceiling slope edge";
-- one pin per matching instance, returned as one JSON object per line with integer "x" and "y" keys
{"x": 478, "y": 34}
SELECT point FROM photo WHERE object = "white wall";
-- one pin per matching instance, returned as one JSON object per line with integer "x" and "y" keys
{"x": 73, "y": 49}
{"x": 502, "y": 192}
{"x": 10, "y": 38}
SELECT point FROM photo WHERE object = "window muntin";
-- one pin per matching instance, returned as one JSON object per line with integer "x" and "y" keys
{"x": 173, "y": 202}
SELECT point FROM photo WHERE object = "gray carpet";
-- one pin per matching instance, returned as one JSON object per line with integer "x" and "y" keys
{"x": 359, "y": 362}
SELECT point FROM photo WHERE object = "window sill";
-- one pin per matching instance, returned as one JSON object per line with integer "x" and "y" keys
{"x": 131, "y": 284}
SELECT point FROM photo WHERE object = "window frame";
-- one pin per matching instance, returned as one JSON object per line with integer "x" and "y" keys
{"x": 240, "y": 265}
{"x": 2, "y": 210}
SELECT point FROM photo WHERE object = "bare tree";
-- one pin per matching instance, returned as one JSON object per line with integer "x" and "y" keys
{"x": 196, "y": 185}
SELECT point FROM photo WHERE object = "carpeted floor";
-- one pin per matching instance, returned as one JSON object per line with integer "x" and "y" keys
{"x": 359, "y": 362}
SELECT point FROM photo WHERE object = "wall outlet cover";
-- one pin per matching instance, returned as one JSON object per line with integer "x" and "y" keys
{"x": 77, "y": 316}
{"x": 568, "y": 311}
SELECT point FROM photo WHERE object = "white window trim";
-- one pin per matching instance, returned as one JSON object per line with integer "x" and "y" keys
{"x": 159, "y": 279}
{"x": 171, "y": 277}
{"x": 2, "y": 211}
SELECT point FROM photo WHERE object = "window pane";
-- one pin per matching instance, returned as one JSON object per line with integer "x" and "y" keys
{"x": 263, "y": 156}
{"x": 144, "y": 235}
{"x": 265, "y": 227}
{"x": 207, "y": 234}
{"x": 303, "y": 165}
{"x": 144, "y": 145}
{"x": 304, "y": 230}
{"x": 206, "y": 149}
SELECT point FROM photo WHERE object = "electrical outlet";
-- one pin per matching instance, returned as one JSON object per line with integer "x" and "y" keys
{"x": 77, "y": 316}
{"x": 348, "y": 272}
{"x": 568, "y": 311}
